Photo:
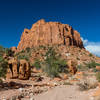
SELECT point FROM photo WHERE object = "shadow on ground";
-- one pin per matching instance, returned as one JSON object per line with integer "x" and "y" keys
{"x": 12, "y": 85}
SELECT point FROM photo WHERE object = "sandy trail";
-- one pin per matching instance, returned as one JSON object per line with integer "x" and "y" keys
{"x": 63, "y": 93}
{"x": 8, "y": 93}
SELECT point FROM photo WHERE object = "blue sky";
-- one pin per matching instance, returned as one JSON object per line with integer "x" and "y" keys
{"x": 82, "y": 15}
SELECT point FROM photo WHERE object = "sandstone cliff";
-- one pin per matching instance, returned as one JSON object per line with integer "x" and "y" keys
{"x": 44, "y": 33}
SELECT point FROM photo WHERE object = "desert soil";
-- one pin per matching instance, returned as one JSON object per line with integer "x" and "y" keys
{"x": 68, "y": 92}
{"x": 64, "y": 92}
{"x": 60, "y": 92}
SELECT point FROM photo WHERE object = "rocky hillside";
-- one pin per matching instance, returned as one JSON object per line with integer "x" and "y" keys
{"x": 49, "y": 56}
{"x": 49, "y": 33}
{"x": 63, "y": 38}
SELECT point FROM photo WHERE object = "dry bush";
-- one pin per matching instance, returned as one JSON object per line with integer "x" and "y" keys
{"x": 88, "y": 83}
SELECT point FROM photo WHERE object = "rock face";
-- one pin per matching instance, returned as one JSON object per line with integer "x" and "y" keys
{"x": 44, "y": 33}
{"x": 12, "y": 68}
{"x": 13, "y": 49}
{"x": 24, "y": 69}
{"x": 72, "y": 66}
{"x": 18, "y": 69}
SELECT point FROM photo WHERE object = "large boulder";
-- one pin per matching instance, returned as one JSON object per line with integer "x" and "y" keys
{"x": 71, "y": 64}
{"x": 18, "y": 69}
{"x": 24, "y": 69}
{"x": 98, "y": 68}
{"x": 12, "y": 71}
{"x": 49, "y": 33}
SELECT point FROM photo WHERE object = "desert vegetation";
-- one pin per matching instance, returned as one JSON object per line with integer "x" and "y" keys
{"x": 24, "y": 54}
{"x": 53, "y": 64}
{"x": 98, "y": 76}
{"x": 44, "y": 66}
{"x": 87, "y": 66}
{"x": 3, "y": 61}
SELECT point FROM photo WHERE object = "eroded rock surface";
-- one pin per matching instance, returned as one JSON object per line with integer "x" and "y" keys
{"x": 24, "y": 69}
{"x": 44, "y": 33}
{"x": 18, "y": 69}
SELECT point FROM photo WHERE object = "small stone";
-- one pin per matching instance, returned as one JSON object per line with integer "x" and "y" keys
{"x": 21, "y": 89}
{"x": 32, "y": 98}
{"x": 31, "y": 94}
{"x": 4, "y": 98}
{"x": 13, "y": 98}
{"x": 91, "y": 98}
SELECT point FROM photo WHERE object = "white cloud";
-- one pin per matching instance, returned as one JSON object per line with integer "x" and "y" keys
{"x": 85, "y": 42}
{"x": 93, "y": 47}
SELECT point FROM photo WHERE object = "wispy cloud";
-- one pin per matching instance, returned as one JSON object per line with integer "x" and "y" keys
{"x": 93, "y": 47}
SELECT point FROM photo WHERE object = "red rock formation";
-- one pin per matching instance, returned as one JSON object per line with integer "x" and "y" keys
{"x": 24, "y": 69}
{"x": 14, "y": 49}
{"x": 43, "y": 33}
{"x": 18, "y": 69}
{"x": 71, "y": 64}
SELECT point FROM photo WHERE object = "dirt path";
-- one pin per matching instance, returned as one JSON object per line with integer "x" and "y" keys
{"x": 63, "y": 93}
{"x": 8, "y": 93}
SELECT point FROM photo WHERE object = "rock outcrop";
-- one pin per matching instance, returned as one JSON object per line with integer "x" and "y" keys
{"x": 24, "y": 69}
{"x": 18, "y": 69}
{"x": 71, "y": 64}
{"x": 13, "y": 49}
{"x": 12, "y": 71}
{"x": 49, "y": 33}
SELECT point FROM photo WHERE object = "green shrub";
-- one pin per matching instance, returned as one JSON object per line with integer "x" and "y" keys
{"x": 87, "y": 66}
{"x": 3, "y": 67}
{"x": 2, "y": 50}
{"x": 87, "y": 83}
{"x": 90, "y": 54}
{"x": 92, "y": 65}
{"x": 83, "y": 86}
{"x": 9, "y": 52}
{"x": 98, "y": 76}
{"x": 97, "y": 64}
{"x": 1, "y": 59}
{"x": 53, "y": 63}
{"x": 24, "y": 54}
{"x": 3, "y": 62}
{"x": 23, "y": 51}
{"x": 6, "y": 51}
{"x": 28, "y": 49}
{"x": 37, "y": 64}
{"x": 42, "y": 46}
{"x": 23, "y": 57}
{"x": 81, "y": 67}
{"x": 52, "y": 71}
